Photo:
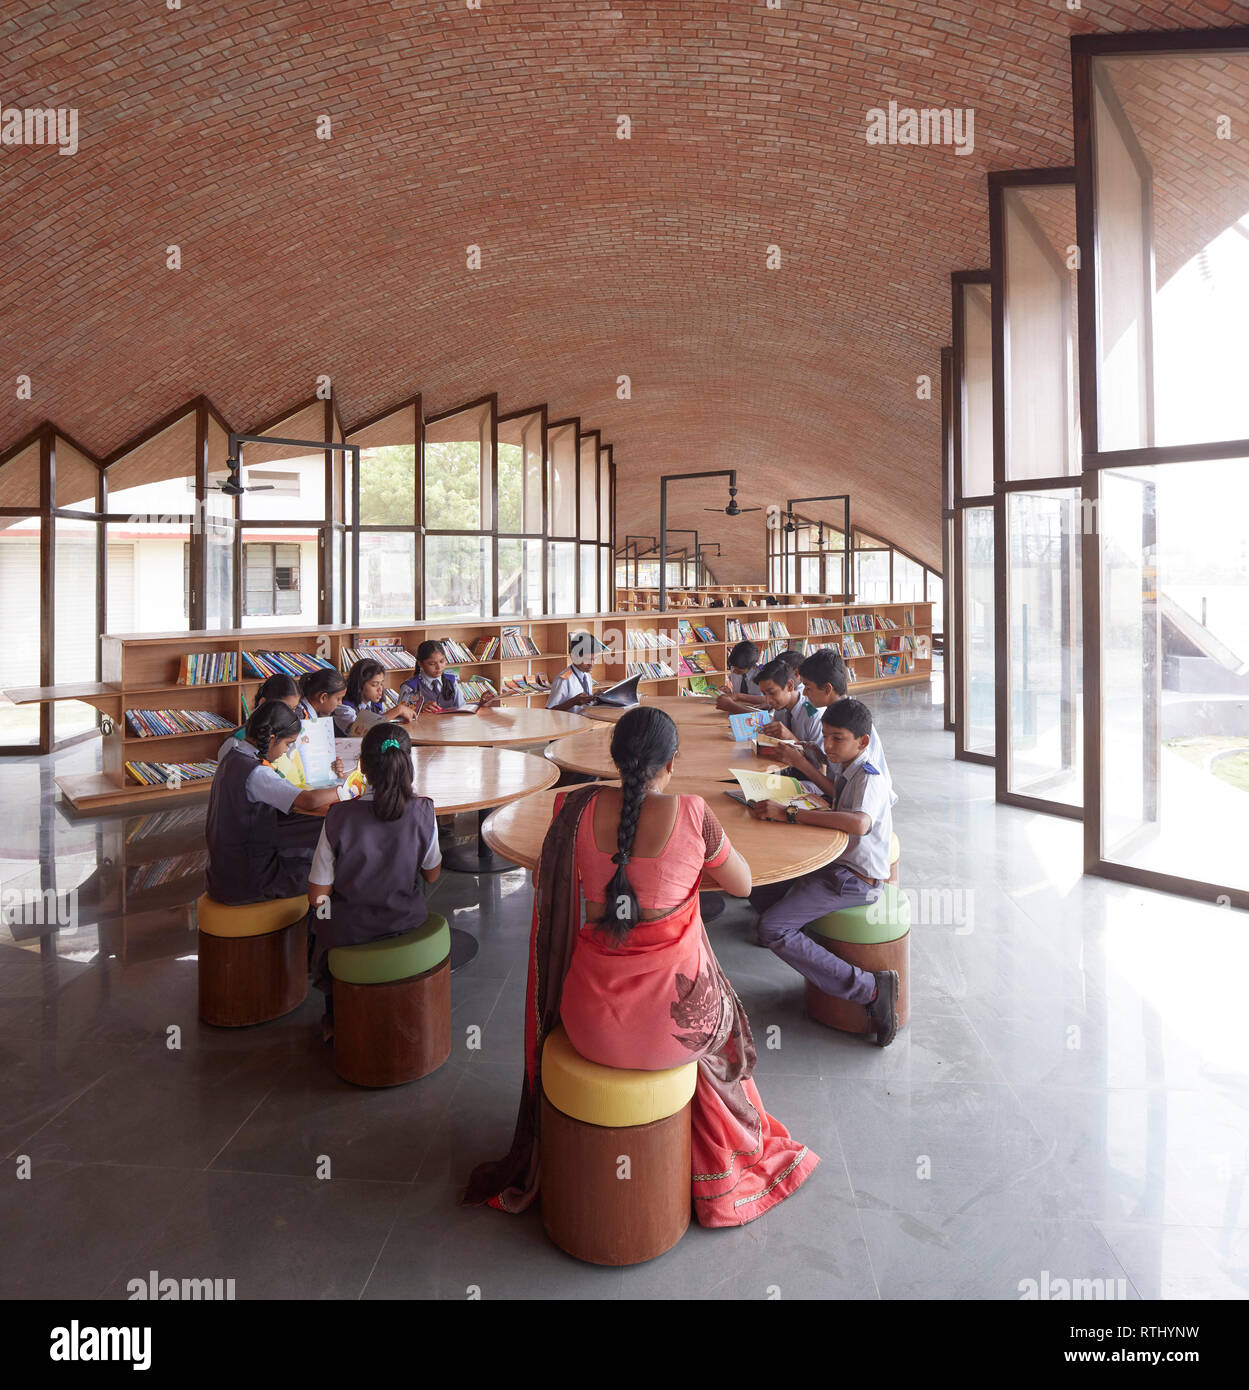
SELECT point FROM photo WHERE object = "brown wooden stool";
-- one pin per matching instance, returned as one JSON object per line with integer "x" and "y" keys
{"x": 392, "y": 1006}
{"x": 876, "y": 936}
{"x": 615, "y": 1177}
{"x": 253, "y": 960}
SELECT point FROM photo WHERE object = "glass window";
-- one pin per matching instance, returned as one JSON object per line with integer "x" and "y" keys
{"x": 936, "y": 596}
{"x": 458, "y": 469}
{"x": 1043, "y": 531}
{"x": 871, "y": 576}
{"x": 979, "y": 675}
{"x": 388, "y": 470}
{"x": 561, "y": 577}
{"x": 387, "y": 576}
{"x": 1174, "y": 640}
{"x": 271, "y": 579}
{"x": 977, "y": 403}
{"x": 147, "y": 582}
{"x": 20, "y": 581}
{"x": 19, "y": 479}
{"x": 588, "y": 530}
{"x": 604, "y": 495}
{"x": 520, "y": 473}
{"x": 74, "y": 637}
{"x": 908, "y": 579}
{"x": 589, "y": 579}
{"x": 520, "y": 578}
{"x": 155, "y": 480}
{"x": 457, "y": 577}
{"x": 562, "y": 502}
{"x": 604, "y": 576}
{"x": 77, "y": 479}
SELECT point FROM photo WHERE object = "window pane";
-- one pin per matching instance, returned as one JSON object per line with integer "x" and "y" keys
{"x": 977, "y": 403}
{"x": 588, "y": 528}
{"x": 289, "y": 484}
{"x": 562, "y": 443}
{"x": 457, "y": 471}
{"x": 520, "y": 578}
{"x": 604, "y": 495}
{"x": 561, "y": 577}
{"x": 871, "y": 576}
{"x": 146, "y": 577}
{"x": 19, "y": 479}
{"x": 457, "y": 577}
{"x": 20, "y": 550}
{"x": 589, "y": 579}
{"x": 979, "y": 674}
{"x": 75, "y": 627}
{"x": 908, "y": 579}
{"x": 281, "y": 577}
{"x": 604, "y": 578}
{"x": 387, "y": 576}
{"x": 157, "y": 479}
{"x": 77, "y": 480}
{"x": 1044, "y": 645}
{"x": 1175, "y": 639}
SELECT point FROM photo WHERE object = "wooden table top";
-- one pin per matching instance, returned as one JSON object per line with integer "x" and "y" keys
{"x": 775, "y": 851}
{"x": 705, "y": 753}
{"x": 683, "y": 708}
{"x": 494, "y": 727}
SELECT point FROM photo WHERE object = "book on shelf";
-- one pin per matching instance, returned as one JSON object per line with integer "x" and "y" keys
{"x": 696, "y": 663}
{"x": 823, "y": 627}
{"x": 849, "y": 647}
{"x": 160, "y": 723}
{"x": 392, "y": 655}
{"x": 484, "y": 648}
{"x": 650, "y": 670}
{"x": 850, "y": 676}
{"x": 700, "y": 685}
{"x": 474, "y": 687}
{"x": 142, "y": 877}
{"x": 158, "y": 774}
{"x": 685, "y": 630}
{"x": 882, "y": 643}
{"x": 457, "y": 653}
{"x": 908, "y": 617}
{"x": 156, "y": 823}
{"x": 810, "y": 647}
{"x": 859, "y": 622}
{"x": 884, "y": 623}
{"x": 296, "y": 664}
{"x": 208, "y": 668}
{"x": 514, "y": 644}
{"x": 733, "y": 630}
{"x": 887, "y": 666}
{"x": 704, "y": 634}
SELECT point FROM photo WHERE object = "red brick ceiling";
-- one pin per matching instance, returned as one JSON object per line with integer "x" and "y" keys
{"x": 600, "y": 256}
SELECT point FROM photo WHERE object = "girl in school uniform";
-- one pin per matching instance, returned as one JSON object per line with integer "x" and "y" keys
{"x": 321, "y": 693}
{"x": 366, "y": 686}
{"x": 374, "y": 858}
{"x": 433, "y": 684}
{"x": 256, "y": 849}
{"x": 278, "y": 687}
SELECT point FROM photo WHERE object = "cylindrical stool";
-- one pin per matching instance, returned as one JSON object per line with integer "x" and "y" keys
{"x": 392, "y": 1006}
{"x": 253, "y": 960}
{"x": 895, "y": 858}
{"x": 615, "y": 1156}
{"x": 875, "y": 936}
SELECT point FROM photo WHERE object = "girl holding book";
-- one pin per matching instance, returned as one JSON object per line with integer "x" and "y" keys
{"x": 256, "y": 849}
{"x": 321, "y": 693}
{"x": 373, "y": 859}
{"x": 276, "y": 687}
{"x": 366, "y": 691}
{"x": 433, "y": 684}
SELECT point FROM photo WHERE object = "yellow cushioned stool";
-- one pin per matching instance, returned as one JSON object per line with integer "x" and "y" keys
{"x": 253, "y": 960}
{"x": 392, "y": 1005}
{"x": 615, "y": 1176}
{"x": 875, "y": 936}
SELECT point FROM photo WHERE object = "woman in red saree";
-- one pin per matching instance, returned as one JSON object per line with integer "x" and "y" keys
{"x": 637, "y": 984}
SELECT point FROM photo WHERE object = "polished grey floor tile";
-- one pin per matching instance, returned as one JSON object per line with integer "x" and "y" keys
{"x": 1181, "y": 1262}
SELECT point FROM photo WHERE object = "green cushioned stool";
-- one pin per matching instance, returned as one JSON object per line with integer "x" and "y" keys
{"x": 392, "y": 1006}
{"x": 873, "y": 936}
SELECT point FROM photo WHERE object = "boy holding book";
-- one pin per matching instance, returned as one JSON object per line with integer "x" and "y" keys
{"x": 796, "y": 717}
{"x": 743, "y": 693}
{"x": 573, "y": 688}
{"x": 861, "y": 807}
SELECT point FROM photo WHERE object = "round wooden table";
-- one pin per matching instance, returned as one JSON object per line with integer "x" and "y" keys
{"x": 775, "y": 851}
{"x": 498, "y": 726}
{"x": 683, "y": 708}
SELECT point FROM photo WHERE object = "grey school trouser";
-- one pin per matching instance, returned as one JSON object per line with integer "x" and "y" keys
{"x": 781, "y": 924}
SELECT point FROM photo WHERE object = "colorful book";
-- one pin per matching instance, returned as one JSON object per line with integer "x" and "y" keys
{"x": 294, "y": 664}
{"x": 746, "y": 726}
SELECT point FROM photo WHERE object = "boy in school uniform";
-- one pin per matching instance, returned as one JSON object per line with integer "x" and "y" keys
{"x": 433, "y": 684}
{"x": 825, "y": 682}
{"x": 573, "y": 688}
{"x": 743, "y": 694}
{"x": 861, "y": 808}
{"x": 796, "y": 717}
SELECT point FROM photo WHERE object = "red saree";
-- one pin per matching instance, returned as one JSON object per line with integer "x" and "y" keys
{"x": 636, "y": 1005}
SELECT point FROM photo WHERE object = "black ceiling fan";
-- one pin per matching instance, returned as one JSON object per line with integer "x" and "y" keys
{"x": 732, "y": 509}
{"x": 233, "y": 486}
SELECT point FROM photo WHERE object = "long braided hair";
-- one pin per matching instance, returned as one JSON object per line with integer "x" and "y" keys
{"x": 271, "y": 720}
{"x": 386, "y": 761}
{"x": 643, "y": 741}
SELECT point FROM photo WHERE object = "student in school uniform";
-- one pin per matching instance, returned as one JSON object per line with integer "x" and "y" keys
{"x": 743, "y": 695}
{"x": 276, "y": 687}
{"x": 433, "y": 684}
{"x": 373, "y": 859}
{"x": 321, "y": 693}
{"x": 366, "y": 685}
{"x": 573, "y": 688}
{"x": 796, "y": 717}
{"x": 861, "y": 808}
{"x": 256, "y": 849}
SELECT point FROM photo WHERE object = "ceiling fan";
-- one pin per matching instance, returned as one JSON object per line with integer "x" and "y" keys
{"x": 732, "y": 509}
{"x": 233, "y": 487}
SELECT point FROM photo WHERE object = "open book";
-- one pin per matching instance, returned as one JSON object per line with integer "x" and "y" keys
{"x": 621, "y": 695}
{"x": 785, "y": 790}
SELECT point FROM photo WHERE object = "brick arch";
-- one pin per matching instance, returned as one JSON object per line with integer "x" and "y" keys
{"x": 600, "y": 256}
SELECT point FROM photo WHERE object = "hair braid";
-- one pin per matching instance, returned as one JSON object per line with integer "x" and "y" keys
{"x": 271, "y": 720}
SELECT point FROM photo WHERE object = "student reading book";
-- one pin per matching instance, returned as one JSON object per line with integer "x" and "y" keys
{"x": 573, "y": 688}
{"x": 435, "y": 686}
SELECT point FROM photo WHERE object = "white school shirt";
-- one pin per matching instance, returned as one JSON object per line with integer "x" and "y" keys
{"x": 803, "y": 720}
{"x": 263, "y": 783}
{"x": 744, "y": 683}
{"x": 570, "y": 682}
{"x": 322, "y": 870}
{"x": 861, "y": 786}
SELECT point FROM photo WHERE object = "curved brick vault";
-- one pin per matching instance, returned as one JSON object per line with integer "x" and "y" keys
{"x": 600, "y": 256}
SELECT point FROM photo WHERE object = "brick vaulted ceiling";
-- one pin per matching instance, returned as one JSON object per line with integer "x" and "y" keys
{"x": 600, "y": 256}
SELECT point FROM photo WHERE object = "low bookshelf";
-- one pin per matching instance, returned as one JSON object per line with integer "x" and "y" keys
{"x": 148, "y": 671}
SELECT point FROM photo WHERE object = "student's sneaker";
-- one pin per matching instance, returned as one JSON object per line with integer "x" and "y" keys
{"x": 882, "y": 1012}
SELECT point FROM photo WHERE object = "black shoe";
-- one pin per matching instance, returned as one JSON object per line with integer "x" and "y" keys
{"x": 882, "y": 1012}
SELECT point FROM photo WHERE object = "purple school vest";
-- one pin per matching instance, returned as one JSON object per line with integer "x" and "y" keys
{"x": 378, "y": 888}
{"x": 245, "y": 863}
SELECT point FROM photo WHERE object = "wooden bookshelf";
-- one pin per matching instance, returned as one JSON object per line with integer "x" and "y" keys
{"x": 141, "y": 671}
